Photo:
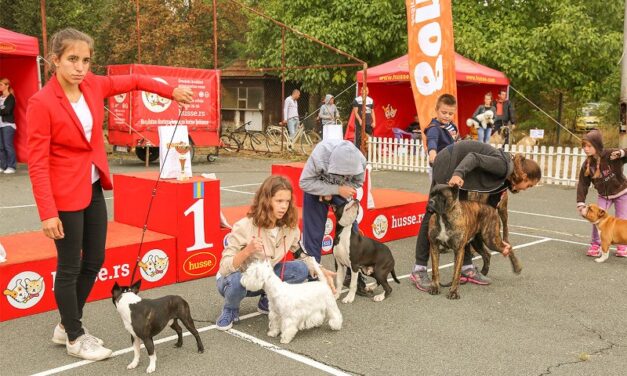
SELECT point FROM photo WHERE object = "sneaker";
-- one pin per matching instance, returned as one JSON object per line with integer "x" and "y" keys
{"x": 421, "y": 280}
{"x": 262, "y": 306}
{"x": 473, "y": 276}
{"x": 227, "y": 318}
{"x": 621, "y": 251}
{"x": 60, "y": 336}
{"x": 594, "y": 251}
{"x": 9, "y": 170}
{"x": 86, "y": 347}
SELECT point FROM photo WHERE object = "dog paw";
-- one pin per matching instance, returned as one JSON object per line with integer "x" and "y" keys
{"x": 178, "y": 344}
{"x": 453, "y": 295}
{"x": 151, "y": 369}
{"x": 379, "y": 298}
{"x": 434, "y": 290}
{"x": 599, "y": 260}
{"x": 273, "y": 333}
{"x": 337, "y": 295}
{"x": 133, "y": 365}
{"x": 285, "y": 340}
{"x": 348, "y": 299}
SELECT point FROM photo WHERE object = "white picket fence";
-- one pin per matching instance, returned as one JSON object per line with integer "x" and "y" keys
{"x": 560, "y": 165}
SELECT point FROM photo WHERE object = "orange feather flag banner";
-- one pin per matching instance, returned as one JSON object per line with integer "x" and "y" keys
{"x": 431, "y": 54}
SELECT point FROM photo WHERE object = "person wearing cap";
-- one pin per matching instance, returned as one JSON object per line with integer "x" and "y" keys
{"x": 604, "y": 169}
{"x": 332, "y": 174}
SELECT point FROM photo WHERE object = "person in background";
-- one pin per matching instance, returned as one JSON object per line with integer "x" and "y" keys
{"x": 269, "y": 231}
{"x": 8, "y": 162}
{"x": 441, "y": 132}
{"x": 483, "y": 134}
{"x": 328, "y": 113}
{"x": 371, "y": 122}
{"x": 68, "y": 168}
{"x": 504, "y": 114}
{"x": 414, "y": 128}
{"x": 604, "y": 170}
{"x": 290, "y": 112}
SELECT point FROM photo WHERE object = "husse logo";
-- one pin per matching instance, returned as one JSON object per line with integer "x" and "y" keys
{"x": 154, "y": 102}
{"x": 327, "y": 243}
{"x": 380, "y": 226}
{"x": 200, "y": 263}
{"x": 154, "y": 265}
{"x": 25, "y": 290}
{"x": 406, "y": 220}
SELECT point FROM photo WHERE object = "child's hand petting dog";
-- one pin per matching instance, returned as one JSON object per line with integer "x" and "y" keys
{"x": 255, "y": 245}
{"x": 330, "y": 277}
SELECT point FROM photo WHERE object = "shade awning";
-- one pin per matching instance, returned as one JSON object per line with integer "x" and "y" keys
{"x": 466, "y": 70}
{"x": 12, "y": 43}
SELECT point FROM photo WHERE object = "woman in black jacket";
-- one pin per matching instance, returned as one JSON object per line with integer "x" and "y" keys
{"x": 7, "y": 127}
{"x": 478, "y": 167}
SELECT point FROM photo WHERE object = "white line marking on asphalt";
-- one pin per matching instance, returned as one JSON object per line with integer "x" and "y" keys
{"x": 235, "y": 191}
{"x": 548, "y": 216}
{"x": 240, "y": 185}
{"x": 297, "y": 357}
{"x": 551, "y": 231}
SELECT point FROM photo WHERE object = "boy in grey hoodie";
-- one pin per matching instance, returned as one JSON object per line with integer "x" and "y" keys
{"x": 333, "y": 172}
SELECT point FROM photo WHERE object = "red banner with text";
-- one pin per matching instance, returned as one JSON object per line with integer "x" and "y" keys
{"x": 431, "y": 54}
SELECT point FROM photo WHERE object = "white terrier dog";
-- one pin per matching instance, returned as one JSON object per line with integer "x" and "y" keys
{"x": 293, "y": 307}
{"x": 482, "y": 120}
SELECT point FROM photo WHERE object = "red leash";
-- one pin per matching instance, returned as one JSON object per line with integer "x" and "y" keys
{"x": 284, "y": 251}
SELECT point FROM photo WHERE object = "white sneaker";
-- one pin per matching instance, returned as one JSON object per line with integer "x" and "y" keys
{"x": 60, "y": 336}
{"x": 9, "y": 170}
{"x": 86, "y": 347}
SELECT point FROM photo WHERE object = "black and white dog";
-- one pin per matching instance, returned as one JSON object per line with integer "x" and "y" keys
{"x": 145, "y": 318}
{"x": 355, "y": 252}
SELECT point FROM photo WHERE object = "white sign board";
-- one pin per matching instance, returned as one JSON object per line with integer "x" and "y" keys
{"x": 536, "y": 133}
{"x": 171, "y": 167}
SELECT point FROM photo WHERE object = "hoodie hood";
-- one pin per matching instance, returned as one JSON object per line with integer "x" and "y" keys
{"x": 327, "y": 98}
{"x": 346, "y": 160}
{"x": 595, "y": 139}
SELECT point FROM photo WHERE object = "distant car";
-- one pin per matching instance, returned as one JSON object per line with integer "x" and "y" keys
{"x": 588, "y": 117}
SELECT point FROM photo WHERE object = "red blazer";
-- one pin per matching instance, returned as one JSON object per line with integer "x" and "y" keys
{"x": 59, "y": 155}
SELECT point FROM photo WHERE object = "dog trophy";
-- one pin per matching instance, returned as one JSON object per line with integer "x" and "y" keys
{"x": 181, "y": 148}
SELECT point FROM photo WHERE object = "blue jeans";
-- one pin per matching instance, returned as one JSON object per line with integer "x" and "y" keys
{"x": 233, "y": 291}
{"x": 291, "y": 126}
{"x": 314, "y": 220}
{"x": 484, "y": 135}
{"x": 7, "y": 150}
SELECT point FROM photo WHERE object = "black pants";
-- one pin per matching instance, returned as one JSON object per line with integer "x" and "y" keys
{"x": 86, "y": 231}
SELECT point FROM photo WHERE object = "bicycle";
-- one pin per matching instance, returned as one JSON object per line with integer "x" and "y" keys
{"x": 304, "y": 139}
{"x": 243, "y": 139}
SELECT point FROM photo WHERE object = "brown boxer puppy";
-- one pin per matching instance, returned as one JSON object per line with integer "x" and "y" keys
{"x": 612, "y": 230}
{"x": 454, "y": 225}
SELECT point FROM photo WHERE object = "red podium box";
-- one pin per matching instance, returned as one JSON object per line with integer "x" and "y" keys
{"x": 188, "y": 210}
{"x": 27, "y": 278}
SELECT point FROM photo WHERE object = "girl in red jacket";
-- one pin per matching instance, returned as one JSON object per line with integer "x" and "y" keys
{"x": 68, "y": 168}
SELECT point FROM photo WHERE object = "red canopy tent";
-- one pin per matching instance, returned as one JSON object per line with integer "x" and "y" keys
{"x": 390, "y": 89}
{"x": 18, "y": 63}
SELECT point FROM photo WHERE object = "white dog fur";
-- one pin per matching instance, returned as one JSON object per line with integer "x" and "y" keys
{"x": 293, "y": 307}
{"x": 484, "y": 118}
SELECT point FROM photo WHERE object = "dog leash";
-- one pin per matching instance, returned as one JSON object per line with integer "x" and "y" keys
{"x": 152, "y": 197}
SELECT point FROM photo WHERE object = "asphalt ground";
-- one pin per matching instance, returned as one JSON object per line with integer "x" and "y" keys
{"x": 563, "y": 315}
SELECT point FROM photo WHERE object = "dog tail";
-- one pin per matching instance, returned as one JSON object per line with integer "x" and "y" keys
{"x": 394, "y": 276}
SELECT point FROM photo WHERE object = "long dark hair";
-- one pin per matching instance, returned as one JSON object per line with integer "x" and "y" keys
{"x": 525, "y": 169}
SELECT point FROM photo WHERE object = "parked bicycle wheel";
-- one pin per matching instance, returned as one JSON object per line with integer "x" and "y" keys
{"x": 259, "y": 142}
{"x": 229, "y": 143}
{"x": 274, "y": 135}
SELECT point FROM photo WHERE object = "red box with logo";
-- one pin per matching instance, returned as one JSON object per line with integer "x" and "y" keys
{"x": 188, "y": 210}
{"x": 27, "y": 278}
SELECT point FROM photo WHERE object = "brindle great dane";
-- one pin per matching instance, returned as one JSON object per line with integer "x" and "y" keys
{"x": 454, "y": 225}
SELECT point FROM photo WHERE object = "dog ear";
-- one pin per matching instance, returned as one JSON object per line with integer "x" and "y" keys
{"x": 602, "y": 213}
{"x": 135, "y": 287}
{"x": 116, "y": 291}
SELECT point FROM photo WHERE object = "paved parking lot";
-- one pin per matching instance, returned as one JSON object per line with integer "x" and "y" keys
{"x": 562, "y": 316}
